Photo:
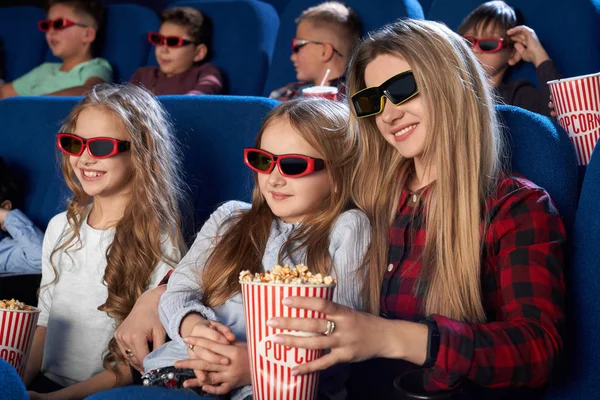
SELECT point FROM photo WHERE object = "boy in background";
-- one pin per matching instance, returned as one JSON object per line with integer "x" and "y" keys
{"x": 499, "y": 41}
{"x": 71, "y": 29}
{"x": 182, "y": 49}
{"x": 325, "y": 38}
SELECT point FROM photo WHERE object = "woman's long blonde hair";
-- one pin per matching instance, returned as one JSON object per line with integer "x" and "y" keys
{"x": 463, "y": 143}
{"x": 240, "y": 246}
{"x": 154, "y": 204}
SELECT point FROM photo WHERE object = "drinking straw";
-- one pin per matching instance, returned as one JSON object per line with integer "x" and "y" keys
{"x": 325, "y": 77}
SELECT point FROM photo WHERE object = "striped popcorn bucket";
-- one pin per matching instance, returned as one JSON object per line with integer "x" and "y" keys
{"x": 577, "y": 105}
{"x": 16, "y": 335}
{"x": 272, "y": 363}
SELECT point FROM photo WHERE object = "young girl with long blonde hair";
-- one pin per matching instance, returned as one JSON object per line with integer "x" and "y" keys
{"x": 119, "y": 236}
{"x": 465, "y": 267}
{"x": 301, "y": 212}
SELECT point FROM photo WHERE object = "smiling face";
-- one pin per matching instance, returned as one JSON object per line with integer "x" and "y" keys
{"x": 175, "y": 60}
{"x": 102, "y": 177}
{"x": 72, "y": 41}
{"x": 291, "y": 199}
{"x": 403, "y": 126}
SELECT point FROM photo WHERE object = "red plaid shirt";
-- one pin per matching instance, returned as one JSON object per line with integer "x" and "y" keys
{"x": 522, "y": 284}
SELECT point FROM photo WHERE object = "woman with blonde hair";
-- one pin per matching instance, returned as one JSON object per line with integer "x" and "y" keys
{"x": 119, "y": 236}
{"x": 464, "y": 274}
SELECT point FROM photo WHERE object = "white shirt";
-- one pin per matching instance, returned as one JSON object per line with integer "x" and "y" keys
{"x": 77, "y": 333}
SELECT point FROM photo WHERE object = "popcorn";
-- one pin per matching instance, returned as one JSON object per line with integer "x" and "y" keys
{"x": 298, "y": 275}
{"x": 14, "y": 305}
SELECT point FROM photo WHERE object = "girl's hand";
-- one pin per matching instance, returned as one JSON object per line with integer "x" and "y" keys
{"x": 215, "y": 332}
{"x": 217, "y": 379}
{"x": 527, "y": 46}
{"x": 551, "y": 107}
{"x": 357, "y": 336}
{"x": 142, "y": 326}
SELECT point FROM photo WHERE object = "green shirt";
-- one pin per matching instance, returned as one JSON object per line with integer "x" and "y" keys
{"x": 48, "y": 78}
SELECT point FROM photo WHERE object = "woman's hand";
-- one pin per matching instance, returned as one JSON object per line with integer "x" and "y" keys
{"x": 142, "y": 326}
{"x": 217, "y": 378}
{"x": 527, "y": 45}
{"x": 357, "y": 336}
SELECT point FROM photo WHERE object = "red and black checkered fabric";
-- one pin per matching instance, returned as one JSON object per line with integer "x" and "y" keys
{"x": 522, "y": 290}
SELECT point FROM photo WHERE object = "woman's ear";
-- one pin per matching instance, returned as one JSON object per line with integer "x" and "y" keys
{"x": 6, "y": 204}
{"x": 201, "y": 52}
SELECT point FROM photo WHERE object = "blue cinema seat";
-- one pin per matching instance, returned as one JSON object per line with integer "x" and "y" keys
{"x": 124, "y": 42}
{"x": 569, "y": 31}
{"x": 11, "y": 386}
{"x": 21, "y": 43}
{"x": 541, "y": 150}
{"x": 29, "y": 126}
{"x": 213, "y": 131}
{"x": 373, "y": 15}
{"x": 582, "y": 350}
{"x": 244, "y": 33}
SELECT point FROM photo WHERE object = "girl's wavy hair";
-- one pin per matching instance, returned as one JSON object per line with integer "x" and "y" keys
{"x": 240, "y": 245}
{"x": 463, "y": 142}
{"x": 153, "y": 210}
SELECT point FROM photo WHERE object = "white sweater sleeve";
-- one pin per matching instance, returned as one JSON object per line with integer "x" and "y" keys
{"x": 55, "y": 230}
{"x": 183, "y": 295}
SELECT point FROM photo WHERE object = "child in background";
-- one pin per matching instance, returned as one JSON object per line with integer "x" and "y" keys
{"x": 71, "y": 29}
{"x": 119, "y": 236}
{"x": 325, "y": 38}
{"x": 301, "y": 212}
{"x": 182, "y": 48}
{"x": 499, "y": 41}
{"x": 21, "y": 245}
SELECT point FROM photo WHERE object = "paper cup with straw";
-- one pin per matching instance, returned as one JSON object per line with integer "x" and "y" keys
{"x": 577, "y": 105}
{"x": 16, "y": 335}
{"x": 327, "y": 92}
{"x": 272, "y": 363}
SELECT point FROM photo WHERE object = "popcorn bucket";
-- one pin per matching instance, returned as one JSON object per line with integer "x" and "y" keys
{"x": 326, "y": 92}
{"x": 271, "y": 362}
{"x": 16, "y": 335}
{"x": 577, "y": 105}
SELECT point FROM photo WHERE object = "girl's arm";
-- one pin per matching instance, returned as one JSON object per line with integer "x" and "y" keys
{"x": 36, "y": 355}
{"x": 26, "y": 257}
{"x": 184, "y": 293}
{"x": 348, "y": 243}
{"x": 103, "y": 381}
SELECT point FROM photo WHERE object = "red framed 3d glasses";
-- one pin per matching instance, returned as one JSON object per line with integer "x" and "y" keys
{"x": 486, "y": 45}
{"x": 290, "y": 165}
{"x": 157, "y": 39}
{"x": 58, "y": 24}
{"x": 98, "y": 147}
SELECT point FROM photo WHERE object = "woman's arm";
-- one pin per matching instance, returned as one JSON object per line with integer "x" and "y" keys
{"x": 142, "y": 326}
{"x": 520, "y": 348}
{"x": 36, "y": 355}
{"x": 523, "y": 345}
